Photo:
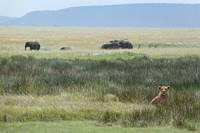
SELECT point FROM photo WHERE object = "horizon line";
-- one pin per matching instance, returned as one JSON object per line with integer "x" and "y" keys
{"x": 101, "y": 5}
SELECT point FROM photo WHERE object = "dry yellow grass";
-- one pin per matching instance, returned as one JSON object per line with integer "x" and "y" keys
{"x": 71, "y": 101}
{"x": 87, "y": 41}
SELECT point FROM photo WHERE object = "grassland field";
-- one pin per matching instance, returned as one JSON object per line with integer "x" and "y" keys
{"x": 87, "y": 89}
{"x": 87, "y": 41}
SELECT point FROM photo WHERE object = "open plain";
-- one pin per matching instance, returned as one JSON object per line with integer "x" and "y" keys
{"x": 87, "y": 89}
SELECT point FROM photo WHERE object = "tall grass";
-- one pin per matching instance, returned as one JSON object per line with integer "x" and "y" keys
{"x": 26, "y": 75}
{"x": 130, "y": 81}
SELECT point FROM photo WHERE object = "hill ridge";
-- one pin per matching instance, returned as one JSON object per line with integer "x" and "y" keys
{"x": 125, "y": 15}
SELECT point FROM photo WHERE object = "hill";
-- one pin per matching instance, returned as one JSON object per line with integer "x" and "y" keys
{"x": 134, "y": 15}
{"x": 4, "y": 19}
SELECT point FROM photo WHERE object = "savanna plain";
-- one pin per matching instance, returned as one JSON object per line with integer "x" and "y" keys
{"x": 85, "y": 89}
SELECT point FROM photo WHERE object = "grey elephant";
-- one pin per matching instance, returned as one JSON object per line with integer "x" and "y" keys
{"x": 116, "y": 44}
{"x": 33, "y": 45}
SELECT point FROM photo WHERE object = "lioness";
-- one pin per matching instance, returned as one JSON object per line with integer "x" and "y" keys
{"x": 162, "y": 97}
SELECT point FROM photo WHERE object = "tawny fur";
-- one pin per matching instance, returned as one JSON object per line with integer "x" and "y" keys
{"x": 162, "y": 97}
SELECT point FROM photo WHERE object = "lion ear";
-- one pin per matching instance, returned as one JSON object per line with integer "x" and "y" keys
{"x": 160, "y": 87}
{"x": 168, "y": 87}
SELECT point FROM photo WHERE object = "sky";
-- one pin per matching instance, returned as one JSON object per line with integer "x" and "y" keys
{"x": 17, "y": 8}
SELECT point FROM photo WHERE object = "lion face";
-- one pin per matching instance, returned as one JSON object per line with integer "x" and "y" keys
{"x": 164, "y": 90}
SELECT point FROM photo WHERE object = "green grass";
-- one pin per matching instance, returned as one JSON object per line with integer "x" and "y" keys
{"x": 27, "y": 75}
{"x": 134, "y": 82}
{"x": 183, "y": 107}
{"x": 81, "y": 127}
{"x": 69, "y": 106}
{"x": 113, "y": 87}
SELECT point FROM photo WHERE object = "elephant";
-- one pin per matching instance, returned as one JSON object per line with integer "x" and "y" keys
{"x": 33, "y": 45}
{"x": 116, "y": 44}
{"x": 110, "y": 46}
{"x": 125, "y": 44}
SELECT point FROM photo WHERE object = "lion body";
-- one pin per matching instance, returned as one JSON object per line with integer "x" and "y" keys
{"x": 159, "y": 100}
{"x": 162, "y": 97}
